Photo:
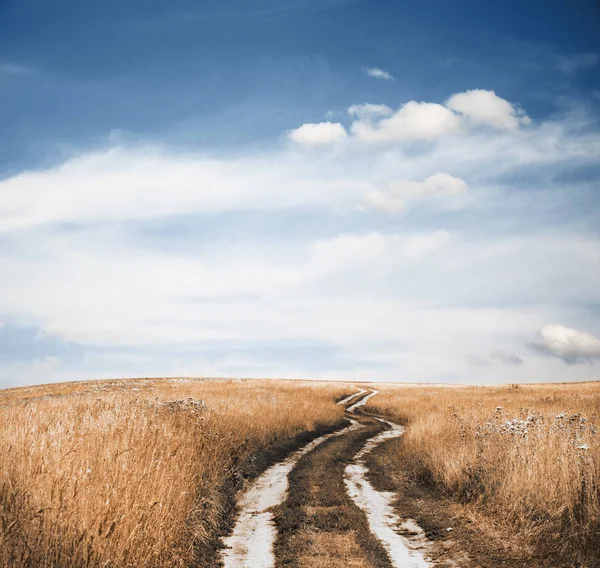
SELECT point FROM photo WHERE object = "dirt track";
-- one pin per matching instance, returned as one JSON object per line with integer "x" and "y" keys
{"x": 319, "y": 525}
{"x": 318, "y": 509}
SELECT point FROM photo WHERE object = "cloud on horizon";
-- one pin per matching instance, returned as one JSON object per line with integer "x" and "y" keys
{"x": 571, "y": 345}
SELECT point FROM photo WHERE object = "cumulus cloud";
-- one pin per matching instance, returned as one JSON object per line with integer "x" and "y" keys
{"x": 402, "y": 193}
{"x": 571, "y": 345}
{"x": 317, "y": 134}
{"x": 482, "y": 107}
{"x": 412, "y": 121}
{"x": 377, "y": 73}
{"x": 430, "y": 121}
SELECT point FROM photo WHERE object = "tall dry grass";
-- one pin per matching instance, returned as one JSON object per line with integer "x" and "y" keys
{"x": 526, "y": 457}
{"x": 134, "y": 473}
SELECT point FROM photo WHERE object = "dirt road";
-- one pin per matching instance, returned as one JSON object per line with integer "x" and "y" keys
{"x": 317, "y": 508}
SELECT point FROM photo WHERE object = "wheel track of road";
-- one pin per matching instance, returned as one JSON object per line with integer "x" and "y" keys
{"x": 317, "y": 509}
{"x": 404, "y": 541}
{"x": 319, "y": 525}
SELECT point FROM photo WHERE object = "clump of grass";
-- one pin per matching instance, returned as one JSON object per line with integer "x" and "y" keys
{"x": 528, "y": 458}
{"x": 133, "y": 473}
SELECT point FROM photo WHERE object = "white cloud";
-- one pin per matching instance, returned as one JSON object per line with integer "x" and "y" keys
{"x": 368, "y": 111}
{"x": 402, "y": 193}
{"x": 431, "y": 121}
{"x": 486, "y": 108}
{"x": 140, "y": 183}
{"x": 317, "y": 134}
{"x": 571, "y": 345}
{"x": 377, "y": 73}
{"x": 372, "y": 253}
{"x": 413, "y": 121}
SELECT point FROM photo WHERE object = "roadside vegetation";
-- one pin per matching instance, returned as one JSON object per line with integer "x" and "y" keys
{"x": 138, "y": 472}
{"x": 522, "y": 461}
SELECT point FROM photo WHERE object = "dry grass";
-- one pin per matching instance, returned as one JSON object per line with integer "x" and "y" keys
{"x": 526, "y": 458}
{"x": 132, "y": 473}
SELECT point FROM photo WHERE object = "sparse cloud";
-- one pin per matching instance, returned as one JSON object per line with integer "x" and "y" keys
{"x": 478, "y": 360}
{"x": 9, "y": 68}
{"x": 401, "y": 194}
{"x": 571, "y": 345}
{"x": 506, "y": 357}
{"x": 377, "y": 73}
{"x": 368, "y": 111}
{"x": 570, "y": 64}
{"x": 318, "y": 134}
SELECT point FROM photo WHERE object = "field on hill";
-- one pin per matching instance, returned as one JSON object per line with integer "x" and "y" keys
{"x": 146, "y": 473}
{"x": 138, "y": 472}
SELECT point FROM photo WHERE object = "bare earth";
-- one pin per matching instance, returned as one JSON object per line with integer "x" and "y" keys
{"x": 318, "y": 508}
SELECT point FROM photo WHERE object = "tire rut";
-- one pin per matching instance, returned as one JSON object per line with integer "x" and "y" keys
{"x": 319, "y": 525}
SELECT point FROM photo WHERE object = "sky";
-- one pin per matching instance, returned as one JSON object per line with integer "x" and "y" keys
{"x": 322, "y": 189}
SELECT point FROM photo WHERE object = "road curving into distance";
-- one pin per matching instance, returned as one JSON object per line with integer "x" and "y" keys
{"x": 317, "y": 507}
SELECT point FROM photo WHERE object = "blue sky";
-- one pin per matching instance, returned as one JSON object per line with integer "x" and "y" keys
{"x": 333, "y": 189}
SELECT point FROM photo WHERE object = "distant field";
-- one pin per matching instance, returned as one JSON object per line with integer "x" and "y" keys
{"x": 137, "y": 472}
{"x": 521, "y": 461}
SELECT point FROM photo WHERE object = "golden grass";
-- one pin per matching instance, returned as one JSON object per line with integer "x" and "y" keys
{"x": 526, "y": 457}
{"x": 133, "y": 473}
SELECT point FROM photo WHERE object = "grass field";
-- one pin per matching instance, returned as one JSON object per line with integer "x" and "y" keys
{"x": 522, "y": 460}
{"x": 143, "y": 473}
{"x": 139, "y": 472}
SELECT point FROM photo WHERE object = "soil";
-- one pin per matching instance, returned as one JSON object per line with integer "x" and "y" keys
{"x": 318, "y": 525}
